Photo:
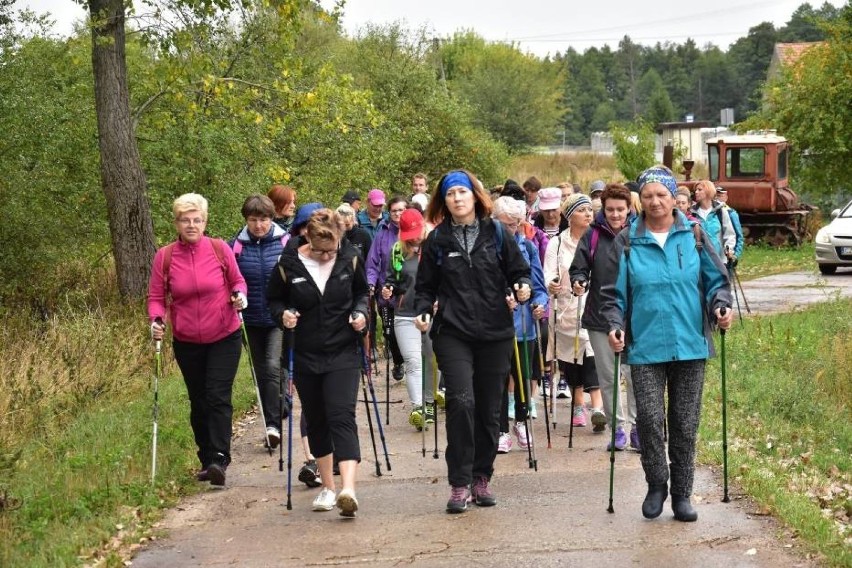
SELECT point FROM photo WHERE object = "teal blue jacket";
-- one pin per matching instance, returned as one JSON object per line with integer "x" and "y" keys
{"x": 669, "y": 293}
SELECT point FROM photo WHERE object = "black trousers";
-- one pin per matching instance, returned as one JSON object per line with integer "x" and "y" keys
{"x": 208, "y": 371}
{"x": 474, "y": 374}
{"x": 328, "y": 408}
{"x": 265, "y": 344}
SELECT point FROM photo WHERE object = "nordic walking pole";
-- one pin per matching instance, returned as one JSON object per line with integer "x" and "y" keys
{"x": 541, "y": 363}
{"x": 423, "y": 395}
{"x": 725, "y": 498}
{"x": 386, "y": 331}
{"x": 378, "y": 415}
{"x": 573, "y": 390}
{"x": 615, "y": 381}
{"x": 158, "y": 371}
{"x": 730, "y": 267}
{"x": 742, "y": 292}
{"x": 527, "y": 390}
{"x": 435, "y": 407}
{"x": 254, "y": 380}
{"x": 291, "y": 349}
{"x": 366, "y": 365}
{"x": 554, "y": 364}
{"x": 520, "y": 385}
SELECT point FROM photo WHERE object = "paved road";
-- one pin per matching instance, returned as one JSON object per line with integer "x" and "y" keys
{"x": 554, "y": 517}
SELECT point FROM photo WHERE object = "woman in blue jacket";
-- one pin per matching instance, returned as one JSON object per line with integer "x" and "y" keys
{"x": 671, "y": 284}
{"x": 257, "y": 248}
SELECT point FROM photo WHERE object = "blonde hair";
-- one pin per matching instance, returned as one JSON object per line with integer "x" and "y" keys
{"x": 323, "y": 226}
{"x": 635, "y": 202}
{"x": 345, "y": 210}
{"x": 707, "y": 186}
{"x": 189, "y": 202}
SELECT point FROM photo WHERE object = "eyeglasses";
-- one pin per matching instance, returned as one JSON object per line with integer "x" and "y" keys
{"x": 328, "y": 253}
{"x": 187, "y": 222}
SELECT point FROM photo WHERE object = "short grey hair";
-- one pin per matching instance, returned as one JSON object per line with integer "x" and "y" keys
{"x": 189, "y": 202}
{"x": 345, "y": 210}
{"x": 510, "y": 207}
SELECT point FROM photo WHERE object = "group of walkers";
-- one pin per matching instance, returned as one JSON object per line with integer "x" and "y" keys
{"x": 532, "y": 292}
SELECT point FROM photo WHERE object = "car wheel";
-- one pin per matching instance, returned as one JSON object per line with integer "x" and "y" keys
{"x": 827, "y": 268}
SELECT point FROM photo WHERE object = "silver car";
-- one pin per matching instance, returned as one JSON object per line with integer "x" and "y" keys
{"x": 834, "y": 241}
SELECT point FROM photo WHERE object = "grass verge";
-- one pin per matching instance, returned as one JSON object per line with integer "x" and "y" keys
{"x": 789, "y": 391}
{"x": 763, "y": 260}
{"x": 75, "y": 477}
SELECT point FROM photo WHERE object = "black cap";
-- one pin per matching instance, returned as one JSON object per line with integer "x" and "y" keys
{"x": 351, "y": 197}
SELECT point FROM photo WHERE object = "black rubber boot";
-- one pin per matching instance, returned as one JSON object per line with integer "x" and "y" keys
{"x": 683, "y": 510}
{"x": 652, "y": 507}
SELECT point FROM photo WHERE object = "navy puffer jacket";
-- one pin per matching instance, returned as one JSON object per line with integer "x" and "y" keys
{"x": 257, "y": 259}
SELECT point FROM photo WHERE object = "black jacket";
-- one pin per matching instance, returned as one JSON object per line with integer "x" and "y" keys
{"x": 325, "y": 341}
{"x": 470, "y": 290}
{"x": 597, "y": 271}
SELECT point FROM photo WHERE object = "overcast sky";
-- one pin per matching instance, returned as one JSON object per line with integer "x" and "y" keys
{"x": 546, "y": 26}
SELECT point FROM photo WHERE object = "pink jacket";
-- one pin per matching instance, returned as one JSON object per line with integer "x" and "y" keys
{"x": 200, "y": 310}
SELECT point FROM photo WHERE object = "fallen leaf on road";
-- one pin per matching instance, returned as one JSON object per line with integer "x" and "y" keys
{"x": 751, "y": 552}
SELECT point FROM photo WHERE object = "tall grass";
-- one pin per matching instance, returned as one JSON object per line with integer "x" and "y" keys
{"x": 75, "y": 429}
{"x": 789, "y": 400}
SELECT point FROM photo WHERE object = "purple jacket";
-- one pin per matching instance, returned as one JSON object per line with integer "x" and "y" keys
{"x": 379, "y": 258}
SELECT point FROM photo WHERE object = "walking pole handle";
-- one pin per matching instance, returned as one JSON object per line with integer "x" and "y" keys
{"x": 723, "y": 310}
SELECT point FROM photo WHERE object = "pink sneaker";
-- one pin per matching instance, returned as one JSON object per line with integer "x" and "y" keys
{"x": 579, "y": 419}
{"x": 521, "y": 434}
{"x": 504, "y": 443}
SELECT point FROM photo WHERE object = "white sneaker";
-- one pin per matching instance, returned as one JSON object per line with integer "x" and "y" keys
{"x": 273, "y": 435}
{"x": 504, "y": 443}
{"x": 521, "y": 434}
{"x": 562, "y": 389}
{"x": 325, "y": 500}
{"x": 347, "y": 503}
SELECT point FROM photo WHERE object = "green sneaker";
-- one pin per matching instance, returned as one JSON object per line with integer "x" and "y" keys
{"x": 430, "y": 413}
{"x": 416, "y": 418}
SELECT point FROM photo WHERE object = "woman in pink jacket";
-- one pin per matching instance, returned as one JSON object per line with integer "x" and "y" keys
{"x": 197, "y": 287}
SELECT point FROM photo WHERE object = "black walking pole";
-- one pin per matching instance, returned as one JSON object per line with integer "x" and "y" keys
{"x": 423, "y": 396}
{"x": 615, "y": 388}
{"x": 256, "y": 384}
{"x": 573, "y": 390}
{"x": 742, "y": 292}
{"x": 730, "y": 266}
{"x": 292, "y": 347}
{"x": 725, "y": 498}
{"x": 386, "y": 331}
{"x": 435, "y": 406}
{"x": 366, "y": 365}
{"x": 544, "y": 379}
{"x": 378, "y": 414}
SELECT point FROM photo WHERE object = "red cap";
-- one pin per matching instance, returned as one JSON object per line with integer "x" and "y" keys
{"x": 410, "y": 225}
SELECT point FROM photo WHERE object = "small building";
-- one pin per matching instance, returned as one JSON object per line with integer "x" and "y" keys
{"x": 784, "y": 55}
{"x": 686, "y": 134}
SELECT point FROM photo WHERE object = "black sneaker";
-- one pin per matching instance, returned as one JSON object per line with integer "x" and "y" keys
{"x": 309, "y": 474}
{"x": 398, "y": 372}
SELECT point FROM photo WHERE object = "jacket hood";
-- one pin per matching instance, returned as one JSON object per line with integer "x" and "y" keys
{"x": 276, "y": 232}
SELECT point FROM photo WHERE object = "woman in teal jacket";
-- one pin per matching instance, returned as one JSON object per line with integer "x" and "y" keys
{"x": 670, "y": 279}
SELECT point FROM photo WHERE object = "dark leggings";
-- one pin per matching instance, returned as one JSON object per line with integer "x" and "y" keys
{"x": 474, "y": 373}
{"x": 265, "y": 345}
{"x": 531, "y": 355}
{"x": 208, "y": 371}
{"x": 328, "y": 407}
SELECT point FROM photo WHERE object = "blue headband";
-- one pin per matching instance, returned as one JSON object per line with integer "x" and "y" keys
{"x": 657, "y": 175}
{"x": 454, "y": 179}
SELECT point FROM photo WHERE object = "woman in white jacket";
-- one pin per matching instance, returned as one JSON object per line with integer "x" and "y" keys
{"x": 572, "y": 348}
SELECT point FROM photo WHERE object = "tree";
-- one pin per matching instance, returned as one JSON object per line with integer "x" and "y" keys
{"x": 750, "y": 57}
{"x": 655, "y": 104}
{"x": 122, "y": 178}
{"x": 634, "y": 147}
{"x": 516, "y": 97}
{"x": 809, "y": 105}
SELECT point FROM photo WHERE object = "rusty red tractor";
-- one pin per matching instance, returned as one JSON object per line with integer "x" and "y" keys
{"x": 753, "y": 170}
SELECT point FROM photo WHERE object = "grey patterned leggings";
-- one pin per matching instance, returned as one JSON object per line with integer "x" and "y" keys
{"x": 684, "y": 381}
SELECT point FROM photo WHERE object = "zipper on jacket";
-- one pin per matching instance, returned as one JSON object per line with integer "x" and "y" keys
{"x": 464, "y": 235}
{"x": 679, "y": 257}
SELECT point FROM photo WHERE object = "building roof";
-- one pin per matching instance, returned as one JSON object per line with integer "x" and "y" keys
{"x": 696, "y": 124}
{"x": 786, "y": 54}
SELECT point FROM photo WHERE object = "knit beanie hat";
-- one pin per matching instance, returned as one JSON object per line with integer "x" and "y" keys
{"x": 574, "y": 202}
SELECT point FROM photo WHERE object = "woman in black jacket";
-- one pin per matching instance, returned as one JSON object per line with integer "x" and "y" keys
{"x": 466, "y": 265}
{"x": 319, "y": 293}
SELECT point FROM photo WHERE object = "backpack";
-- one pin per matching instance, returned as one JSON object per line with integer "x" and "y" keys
{"x": 238, "y": 245}
{"x": 167, "y": 262}
{"x": 498, "y": 243}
